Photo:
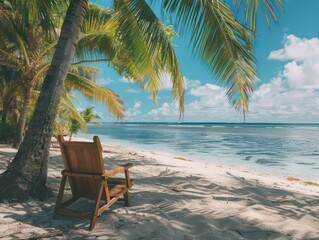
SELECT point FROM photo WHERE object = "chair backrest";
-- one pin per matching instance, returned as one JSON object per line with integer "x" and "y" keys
{"x": 83, "y": 157}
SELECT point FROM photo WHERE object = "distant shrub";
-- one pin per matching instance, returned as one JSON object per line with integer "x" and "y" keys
{"x": 6, "y": 132}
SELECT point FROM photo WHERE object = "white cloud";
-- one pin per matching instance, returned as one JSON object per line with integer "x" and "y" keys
{"x": 167, "y": 82}
{"x": 210, "y": 105}
{"x": 298, "y": 49}
{"x": 104, "y": 81}
{"x": 125, "y": 80}
{"x": 302, "y": 70}
{"x": 277, "y": 102}
{"x": 290, "y": 96}
{"x": 166, "y": 110}
{"x": 206, "y": 90}
{"x": 131, "y": 90}
{"x": 134, "y": 111}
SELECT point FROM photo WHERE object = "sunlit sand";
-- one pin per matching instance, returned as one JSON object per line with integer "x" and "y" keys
{"x": 176, "y": 199}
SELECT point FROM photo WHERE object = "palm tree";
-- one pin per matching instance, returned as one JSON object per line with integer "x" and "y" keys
{"x": 218, "y": 39}
{"x": 74, "y": 127}
{"x": 30, "y": 53}
{"x": 89, "y": 115}
{"x": 8, "y": 92}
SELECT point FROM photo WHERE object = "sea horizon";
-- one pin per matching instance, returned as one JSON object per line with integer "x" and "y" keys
{"x": 214, "y": 123}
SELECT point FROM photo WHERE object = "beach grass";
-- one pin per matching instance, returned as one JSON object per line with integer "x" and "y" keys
{"x": 293, "y": 179}
{"x": 183, "y": 159}
{"x": 309, "y": 183}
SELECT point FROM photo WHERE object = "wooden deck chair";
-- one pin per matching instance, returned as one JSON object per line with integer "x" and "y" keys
{"x": 84, "y": 167}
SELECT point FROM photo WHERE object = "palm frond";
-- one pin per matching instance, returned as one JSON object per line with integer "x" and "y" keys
{"x": 96, "y": 40}
{"x": 223, "y": 43}
{"x": 38, "y": 12}
{"x": 88, "y": 72}
{"x": 148, "y": 40}
{"x": 67, "y": 108}
{"x": 99, "y": 93}
{"x": 270, "y": 9}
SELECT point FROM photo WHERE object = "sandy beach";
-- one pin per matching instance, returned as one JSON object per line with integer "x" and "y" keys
{"x": 175, "y": 198}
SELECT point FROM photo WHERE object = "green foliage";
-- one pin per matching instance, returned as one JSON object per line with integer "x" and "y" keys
{"x": 268, "y": 7}
{"x": 74, "y": 127}
{"x": 89, "y": 115}
{"x": 6, "y": 132}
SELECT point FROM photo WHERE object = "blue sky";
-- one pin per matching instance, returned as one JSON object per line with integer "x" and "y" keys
{"x": 288, "y": 69}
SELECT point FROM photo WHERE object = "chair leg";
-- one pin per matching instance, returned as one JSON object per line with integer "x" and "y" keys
{"x": 97, "y": 205}
{"x": 59, "y": 197}
{"x": 128, "y": 185}
{"x": 126, "y": 199}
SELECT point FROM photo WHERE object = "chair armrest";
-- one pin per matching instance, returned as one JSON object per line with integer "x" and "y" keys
{"x": 118, "y": 169}
{"x": 127, "y": 165}
{"x": 81, "y": 174}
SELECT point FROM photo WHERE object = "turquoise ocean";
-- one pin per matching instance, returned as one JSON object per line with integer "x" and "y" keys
{"x": 277, "y": 149}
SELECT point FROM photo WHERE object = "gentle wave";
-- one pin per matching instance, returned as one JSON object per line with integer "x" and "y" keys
{"x": 284, "y": 149}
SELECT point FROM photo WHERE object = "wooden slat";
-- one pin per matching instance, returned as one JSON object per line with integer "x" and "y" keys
{"x": 97, "y": 204}
{"x": 106, "y": 206}
{"x": 69, "y": 202}
{"x": 81, "y": 174}
{"x": 98, "y": 149}
{"x": 117, "y": 190}
{"x": 60, "y": 196}
{"x": 82, "y": 167}
{"x": 74, "y": 213}
{"x": 114, "y": 171}
{"x": 72, "y": 166}
{"x": 115, "y": 181}
{"x": 92, "y": 161}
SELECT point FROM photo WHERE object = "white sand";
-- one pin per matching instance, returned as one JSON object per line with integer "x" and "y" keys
{"x": 176, "y": 199}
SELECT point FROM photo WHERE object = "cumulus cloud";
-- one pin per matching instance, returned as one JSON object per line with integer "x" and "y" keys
{"x": 292, "y": 95}
{"x": 210, "y": 105}
{"x": 164, "y": 112}
{"x": 132, "y": 90}
{"x": 302, "y": 69}
{"x": 134, "y": 111}
{"x": 104, "y": 81}
{"x": 277, "y": 102}
{"x": 298, "y": 49}
{"x": 125, "y": 80}
{"x": 167, "y": 82}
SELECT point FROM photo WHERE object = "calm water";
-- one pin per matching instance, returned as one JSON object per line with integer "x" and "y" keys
{"x": 280, "y": 149}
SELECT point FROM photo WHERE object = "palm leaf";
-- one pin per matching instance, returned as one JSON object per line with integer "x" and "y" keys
{"x": 96, "y": 40}
{"x": 268, "y": 7}
{"x": 148, "y": 40}
{"x": 222, "y": 42}
{"x": 99, "y": 93}
{"x": 67, "y": 108}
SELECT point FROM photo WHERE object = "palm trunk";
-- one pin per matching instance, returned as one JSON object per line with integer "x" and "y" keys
{"x": 23, "y": 116}
{"x": 4, "y": 113}
{"x": 27, "y": 173}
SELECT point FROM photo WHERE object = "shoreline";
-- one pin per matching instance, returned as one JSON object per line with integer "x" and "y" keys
{"x": 174, "y": 198}
{"x": 241, "y": 157}
{"x": 288, "y": 182}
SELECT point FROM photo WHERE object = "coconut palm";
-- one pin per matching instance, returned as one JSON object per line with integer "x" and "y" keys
{"x": 218, "y": 39}
{"x": 8, "y": 93}
{"x": 89, "y": 115}
{"x": 30, "y": 53}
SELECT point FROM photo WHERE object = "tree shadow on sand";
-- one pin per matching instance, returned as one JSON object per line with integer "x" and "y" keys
{"x": 170, "y": 204}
